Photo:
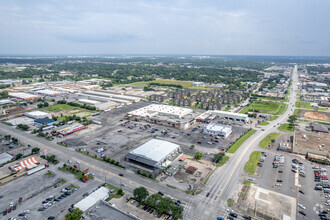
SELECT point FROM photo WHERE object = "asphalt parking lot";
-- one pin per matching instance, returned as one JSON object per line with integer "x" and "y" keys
{"x": 36, "y": 188}
{"x": 117, "y": 136}
{"x": 291, "y": 183}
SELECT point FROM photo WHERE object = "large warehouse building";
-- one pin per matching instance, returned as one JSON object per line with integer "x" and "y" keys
{"x": 23, "y": 96}
{"x": 153, "y": 154}
{"x": 172, "y": 116}
{"x": 223, "y": 115}
{"x": 38, "y": 114}
{"x": 218, "y": 130}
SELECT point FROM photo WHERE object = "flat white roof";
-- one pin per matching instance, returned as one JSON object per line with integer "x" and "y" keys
{"x": 100, "y": 194}
{"x": 218, "y": 128}
{"x": 155, "y": 109}
{"x": 48, "y": 92}
{"x": 93, "y": 102}
{"x": 230, "y": 114}
{"x": 22, "y": 95}
{"x": 155, "y": 149}
{"x": 37, "y": 113}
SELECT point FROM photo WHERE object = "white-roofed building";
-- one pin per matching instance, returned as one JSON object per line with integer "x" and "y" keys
{"x": 23, "y": 96}
{"x": 38, "y": 114}
{"x": 231, "y": 115}
{"x": 167, "y": 115}
{"x": 47, "y": 92}
{"x": 101, "y": 193}
{"x": 153, "y": 154}
{"x": 218, "y": 130}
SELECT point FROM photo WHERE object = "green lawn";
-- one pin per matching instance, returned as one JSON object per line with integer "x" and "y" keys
{"x": 61, "y": 107}
{"x": 285, "y": 128}
{"x": 223, "y": 161}
{"x": 296, "y": 112}
{"x": 233, "y": 148}
{"x": 248, "y": 182}
{"x": 184, "y": 84}
{"x": 282, "y": 109}
{"x": 115, "y": 193}
{"x": 71, "y": 186}
{"x": 251, "y": 165}
{"x": 273, "y": 118}
{"x": 79, "y": 174}
{"x": 265, "y": 107}
{"x": 264, "y": 123}
{"x": 265, "y": 142}
{"x": 306, "y": 105}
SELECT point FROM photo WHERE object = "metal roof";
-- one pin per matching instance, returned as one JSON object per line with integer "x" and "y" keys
{"x": 152, "y": 152}
{"x": 100, "y": 194}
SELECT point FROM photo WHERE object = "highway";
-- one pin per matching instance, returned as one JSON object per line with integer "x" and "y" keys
{"x": 225, "y": 179}
{"x": 221, "y": 186}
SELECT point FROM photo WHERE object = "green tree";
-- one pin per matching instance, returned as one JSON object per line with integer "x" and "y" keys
{"x": 75, "y": 215}
{"x": 218, "y": 157}
{"x": 140, "y": 194}
{"x": 35, "y": 150}
{"x": 164, "y": 205}
{"x": 18, "y": 156}
{"x": 198, "y": 155}
{"x": 153, "y": 200}
{"x": 120, "y": 192}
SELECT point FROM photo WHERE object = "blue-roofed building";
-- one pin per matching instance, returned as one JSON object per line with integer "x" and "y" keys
{"x": 44, "y": 121}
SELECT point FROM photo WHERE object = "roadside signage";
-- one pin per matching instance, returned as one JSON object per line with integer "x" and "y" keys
{"x": 44, "y": 151}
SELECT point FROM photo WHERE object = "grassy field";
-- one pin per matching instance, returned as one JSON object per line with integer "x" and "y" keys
{"x": 265, "y": 107}
{"x": 233, "y": 148}
{"x": 285, "y": 128}
{"x": 265, "y": 142}
{"x": 273, "y": 118}
{"x": 61, "y": 107}
{"x": 264, "y": 123}
{"x": 282, "y": 109}
{"x": 184, "y": 84}
{"x": 296, "y": 112}
{"x": 223, "y": 161}
{"x": 251, "y": 165}
{"x": 248, "y": 182}
{"x": 306, "y": 105}
{"x": 115, "y": 193}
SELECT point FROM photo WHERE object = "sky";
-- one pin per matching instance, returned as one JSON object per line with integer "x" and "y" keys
{"x": 205, "y": 27}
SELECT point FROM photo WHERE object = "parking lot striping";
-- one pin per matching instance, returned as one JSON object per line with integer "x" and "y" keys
{"x": 296, "y": 180}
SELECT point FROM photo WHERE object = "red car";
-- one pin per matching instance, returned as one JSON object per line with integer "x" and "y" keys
{"x": 75, "y": 166}
{"x": 198, "y": 142}
{"x": 212, "y": 140}
{"x": 119, "y": 131}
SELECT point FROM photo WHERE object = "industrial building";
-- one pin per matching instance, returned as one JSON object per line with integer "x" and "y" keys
{"x": 38, "y": 114}
{"x": 47, "y": 92}
{"x": 222, "y": 115}
{"x": 44, "y": 121}
{"x": 23, "y": 96}
{"x": 104, "y": 210}
{"x": 100, "y": 194}
{"x": 4, "y": 158}
{"x": 5, "y": 102}
{"x": 68, "y": 129}
{"x": 172, "y": 116}
{"x": 217, "y": 130}
{"x": 98, "y": 104}
{"x": 153, "y": 154}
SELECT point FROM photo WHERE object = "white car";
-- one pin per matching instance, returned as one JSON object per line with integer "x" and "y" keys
{"x": 69, "y": 161}
{"x": 123, "y": 184}
{"x": 327, "y": 196}
{"x": 230, "y": 210}
{"x": 77, "y": 162}
{"x": 278, "y": 184}
{"x": 27, "y": 211}
{"x": 327, "y": 204}
{"x": 301, "y": 206}
{"x": 170, "y": 197}
{"x": 11, "y": 204}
